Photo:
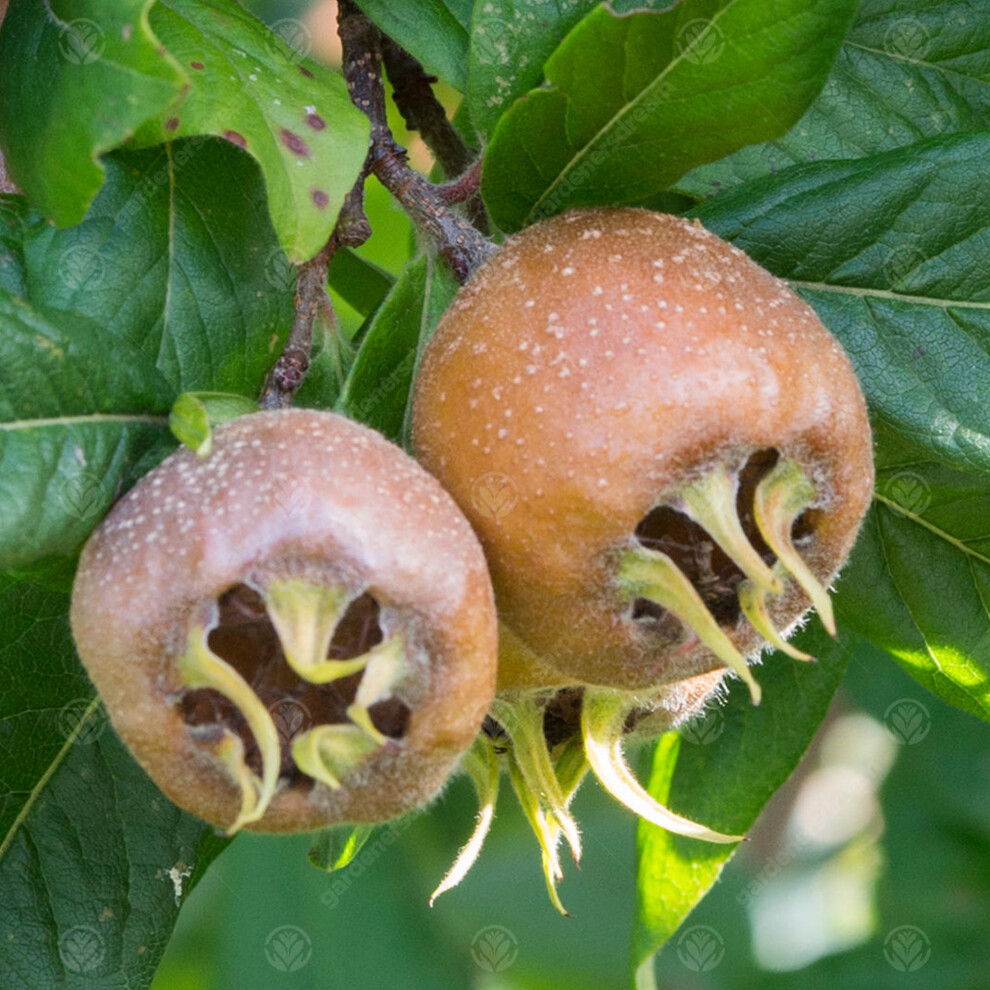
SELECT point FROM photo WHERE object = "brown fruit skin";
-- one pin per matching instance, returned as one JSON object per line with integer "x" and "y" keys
{"x": 288, "y": 492}
{"x": 595, "y": 365}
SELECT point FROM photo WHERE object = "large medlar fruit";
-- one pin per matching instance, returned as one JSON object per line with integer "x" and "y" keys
{"x": 667, "y": 458}
{"x": 685, "y": 446}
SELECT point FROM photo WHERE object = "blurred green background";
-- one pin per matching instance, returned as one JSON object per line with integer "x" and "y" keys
{"x": 883, "y": 834}
{"x": 872, "y": 834}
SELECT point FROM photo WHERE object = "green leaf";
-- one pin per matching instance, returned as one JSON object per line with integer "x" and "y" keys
{"x": 178, "y": 258}
{"x": 358, "y": 281}
{"x": 918, "y": 585}
{"x": 77, "y": 78}
{"x": 905, "y": 73}
{"x": 250, "y": 87}
{"x": 92, "y": 855}
{"x": 194, "y": 414}
{"x": 897, "y": 271}
{"x": 671, "y": 90}
{"x": 173, "y": 282}
{"x": 74, "y": 428}
{"x": 377, "y": 390}
{"x": 13, "y": 216}
{"x": 721, "y": 772}
{"x": 510, "y": 42}
{"x": 435, "y": 31}
{"x": 335, "y": 848}
{"x": 331, "y": 359}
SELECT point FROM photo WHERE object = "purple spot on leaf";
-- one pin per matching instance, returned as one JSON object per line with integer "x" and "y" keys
{"x": 234, "y": 138}
{"x": 320, "y": 198}
{"x": 315, "y": 121}
{"x": 305, "y": 71}
{"x": 294, "y": 143}
{"x": 197, "y": 65}
{"x": 172, "y": 124}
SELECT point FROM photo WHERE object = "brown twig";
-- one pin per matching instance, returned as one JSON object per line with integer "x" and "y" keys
{"x": 290, "y": 369}
{"x": 464, "y": 187}
{"x": 458, "y": 242}
{"x": 412, "y": 90}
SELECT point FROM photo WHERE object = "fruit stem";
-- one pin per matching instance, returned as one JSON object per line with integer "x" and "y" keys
{"x": 200, "y": 667}
{"x": 481, "y": 764}
{"x": 310, "y": 299}
{"x": 522, "y": 719}
{"x": 603, "y": 718}
{"x": 546, "y": 834}
{"x": 651, "y": 574}
{"x": 780, "y": 498}
{"x": 460, "y": 244}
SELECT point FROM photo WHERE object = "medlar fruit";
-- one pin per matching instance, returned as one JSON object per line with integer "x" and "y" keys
{"x": 667, "y": 458}
{"x": 296, "y": 631}
{"x": 686, "y": 446}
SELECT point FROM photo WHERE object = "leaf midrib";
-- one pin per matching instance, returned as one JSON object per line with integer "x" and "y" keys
{"x": 934, "y": 66}
{"x": 931, "y": 527}
{"x": 39, "y": 787}
{"x": 84, "y": 420}
{"x": 624, "y": 109}
{"x": 851, "y": 290}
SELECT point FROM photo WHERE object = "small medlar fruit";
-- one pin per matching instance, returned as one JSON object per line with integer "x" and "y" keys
{"x": 296, "y": 631}
{"x": 667, "y": 458}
